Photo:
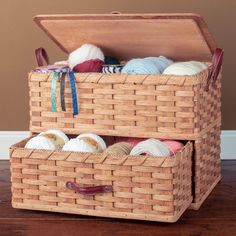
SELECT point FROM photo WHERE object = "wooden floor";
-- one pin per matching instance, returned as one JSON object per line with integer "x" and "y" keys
{"x": 217, "y": 216}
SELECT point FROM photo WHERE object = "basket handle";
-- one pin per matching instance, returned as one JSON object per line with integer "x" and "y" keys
{"x": 92, "y": 190}
{"x": 217, "y": 61}
{"x": 41, "y": 56}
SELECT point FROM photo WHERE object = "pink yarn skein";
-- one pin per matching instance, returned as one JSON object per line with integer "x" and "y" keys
{"x": 132, "y": 141}
{"x": 174, "y": 146}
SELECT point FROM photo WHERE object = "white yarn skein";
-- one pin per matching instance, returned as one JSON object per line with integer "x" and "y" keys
{"x": 77, "y": 145}
{"x": 58, "y": 133}
{"x": 40, "y": 142}
{"x": 84, "y": 53}
{"x": 57, "y": 137}
{"x": 152, "y": 147}
{"x": 185, "y": 68}
{"x": 101, "y": 143}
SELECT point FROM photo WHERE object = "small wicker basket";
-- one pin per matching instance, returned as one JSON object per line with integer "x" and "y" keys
{"x": 146, "y": 188}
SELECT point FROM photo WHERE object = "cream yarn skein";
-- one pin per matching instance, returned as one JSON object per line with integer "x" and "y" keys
{"x": 185, "y": 68}
{"x": 84, "y": 53}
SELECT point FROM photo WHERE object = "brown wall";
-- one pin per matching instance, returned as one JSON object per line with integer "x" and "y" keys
{"x": 20, "y": 36}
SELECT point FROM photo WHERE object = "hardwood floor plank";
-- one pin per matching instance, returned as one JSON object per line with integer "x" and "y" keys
{"x": 125, "y": 228}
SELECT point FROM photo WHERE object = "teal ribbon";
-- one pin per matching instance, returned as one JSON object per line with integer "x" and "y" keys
{"x": 73, "y": 93}
{"x": 54, "y": 91}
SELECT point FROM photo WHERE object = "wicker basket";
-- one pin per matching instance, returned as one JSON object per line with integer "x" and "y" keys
{"x": 158, "y": 106}
{"x": 153, "y": 105}
{"x": 146, "y": 188}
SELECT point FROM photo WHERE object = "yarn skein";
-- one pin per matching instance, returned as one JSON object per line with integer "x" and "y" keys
{"x": 57, "y": 137}
{"x": 40, "y": 142}
{"x": 140, "y": 66}
{"x": 77, "y": 145}
{"x": 94, "y": 140}
{"x": 148, "y": 65}
{"x": 120, "y": 149}
{"x": 161, "y": 62}
{"x": 131, "y": 141}
{"x": 94, "y": 65}
{"x": 174, "y": 146}
{"x": 185, "y": 68}
{"x": 84, "y": 53}
{"x": 151, "y": 147}
{"x": 112, "y": 69}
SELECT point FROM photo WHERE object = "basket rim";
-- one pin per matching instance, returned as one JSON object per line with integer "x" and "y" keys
{"x": 99, "y": 158}
{"x": 130, "y": 79}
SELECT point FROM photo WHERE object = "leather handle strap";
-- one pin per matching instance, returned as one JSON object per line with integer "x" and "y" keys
{"x": 41, "y": 56}
{"x": 93, "y": 190}
{"x": 217, "y": 61}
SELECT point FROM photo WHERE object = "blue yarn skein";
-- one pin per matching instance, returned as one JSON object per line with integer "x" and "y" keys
{"x": 149, "y": 65}
{"x": 161, "y": 62}
{"x": 140, "y": 66}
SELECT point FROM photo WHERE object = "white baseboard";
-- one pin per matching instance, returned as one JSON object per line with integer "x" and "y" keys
{"x": 8, "y": 138}
{"x": 228, "y": 144}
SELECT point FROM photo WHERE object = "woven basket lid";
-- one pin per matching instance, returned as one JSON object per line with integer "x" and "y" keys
{"x": 177, "y": 36}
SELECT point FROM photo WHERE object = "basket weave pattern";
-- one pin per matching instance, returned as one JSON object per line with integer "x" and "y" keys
{"x": 159, "y": 106}
{"x": 207, "y": 168}
{"x": 148, "y": 188}
{"x": 152, "y": 105}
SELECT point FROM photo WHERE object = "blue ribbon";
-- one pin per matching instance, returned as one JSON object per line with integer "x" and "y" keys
{"x": 73, "y": 92}
{"x": 54, "y": 91}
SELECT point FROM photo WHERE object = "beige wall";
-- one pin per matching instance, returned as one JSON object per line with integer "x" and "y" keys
{"x": 20, "y": 36}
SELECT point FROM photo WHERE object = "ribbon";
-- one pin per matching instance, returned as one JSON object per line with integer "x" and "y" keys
{"x": 47, "y": 69}
{"x": 73, "y": 92}
{"x": 54, "y": 91}
{"x": 62, "y": 91}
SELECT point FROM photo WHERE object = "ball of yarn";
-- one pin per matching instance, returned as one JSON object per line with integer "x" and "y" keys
{"x": 140, "y": 66}
{"x": 174, "y": 146}
{"x": 84, "y": 53}
{"x": 185, "y": 68}
{"x": 94, "y": 65}
{"x": 131, "y": 141}
{"x": 151, "y": 147}
{"x": 77, "y": 145}
{"x": 57, "y": 137}
{"x": 148, "y": 65}
{"x": 119, "y": 149}
{"x": 112, "y": 69}
{"x": 40, "y": 142}
{"x": 161, "y": 62}
{"x": 111, "y": 60}
{"x": 96, "y": 141}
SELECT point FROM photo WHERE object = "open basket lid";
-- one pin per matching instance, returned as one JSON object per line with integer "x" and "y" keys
{"x": 125, "y": 36}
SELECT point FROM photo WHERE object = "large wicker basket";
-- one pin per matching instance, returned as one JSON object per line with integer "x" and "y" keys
{"x": 158, "y": 106}
{"x": 140, "y": 106}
